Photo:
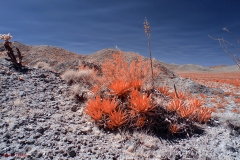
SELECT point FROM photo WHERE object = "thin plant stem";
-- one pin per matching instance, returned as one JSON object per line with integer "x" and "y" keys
{"x": 223, "y": 43}
{"x": 147, "y": 31}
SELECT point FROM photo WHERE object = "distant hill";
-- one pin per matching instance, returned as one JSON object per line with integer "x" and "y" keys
{"x": 61, "y": 59}
{"x": 197, "y": 68}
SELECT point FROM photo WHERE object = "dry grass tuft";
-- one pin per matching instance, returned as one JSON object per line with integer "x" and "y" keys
{"x": 44, "y": 65}
{"x": 81, "y": 76}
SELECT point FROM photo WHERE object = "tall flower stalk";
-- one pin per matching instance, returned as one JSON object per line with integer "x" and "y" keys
{"x": 147, "y": 31}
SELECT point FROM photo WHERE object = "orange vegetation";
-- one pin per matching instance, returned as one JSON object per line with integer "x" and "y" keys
{"x": 117, "y": 118}
{"x": 180, "y": 94}
{"x": 141, "y": 121}
{"x": 237, "y": 100}
{"x": 140, "y": 102}
{"x": 204, "y": 114}
{"x": 95, "y": 107}
{"x": 229, "y": 82}
{"x": 118, "y": 69}
{"x": 174, "y": 128}
{"x": 127, "y": 79}
{"x": 119, "y": 87}
{"x": 189, "y": 111}
{"x": 235, "y": 110}
{"x": 232, "y": 78}
{"x": 175, "y": 104}
{"x": 164, "y": 91}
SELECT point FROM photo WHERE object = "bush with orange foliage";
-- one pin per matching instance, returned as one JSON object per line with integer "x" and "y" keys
{"x": 175, "y": 105}
{"x": 118, "y": 69}
{"x": 140, "y": 103}
{"x": 124, "y": 104}
{"x": 164, "y": 90}
{"x": 117, "y": 119}
{"x": 180, "y": 95}
{"x": 193, "y": 110}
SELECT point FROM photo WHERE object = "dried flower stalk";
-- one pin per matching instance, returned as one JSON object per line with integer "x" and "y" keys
{"x": 147, "y": 31}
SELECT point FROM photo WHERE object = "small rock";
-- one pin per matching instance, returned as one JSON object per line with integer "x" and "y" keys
{"x": 2, "y": 72}
{"x": 52, "y": 99}
{"x": 74, "y": 109}
{"x": 56, "y": 138}
{"x": 39, "y": 155}
{"x": 6, "y": 135}
{"x": 42, "y": 76}
{"x": 37, "y": 135}
{"x": 20, "y": 136}
{"x": 22, "y": 93}
{"x": 40, "y": 130}
{"x": 130, "y": 148}
{"x": 230, "y": 148}
{"x": 72, "y": 153}
{"x": 85, "y": 130}
{"x": 30, "y": 141}
{"x": 64, "y": 154}
{"x": 29, "y": 128}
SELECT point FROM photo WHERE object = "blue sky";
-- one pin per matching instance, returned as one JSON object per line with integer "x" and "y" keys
{"x": 179, "y": 34}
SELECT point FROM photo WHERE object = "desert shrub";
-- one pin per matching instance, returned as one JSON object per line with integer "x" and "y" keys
{"x": 125, "y": 98}
{"x": 80, "y": 92}
{"x": 126, "y": 105}
{"x": 43, "y": 65}
{"x": 118, "y": 69}
{"x": 85, "y": 76}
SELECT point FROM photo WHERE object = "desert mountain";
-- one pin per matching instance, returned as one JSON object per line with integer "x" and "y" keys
{"x": 60, "y": 59}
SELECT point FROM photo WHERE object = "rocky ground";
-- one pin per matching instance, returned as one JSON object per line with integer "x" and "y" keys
{"x": 40, "y": 120}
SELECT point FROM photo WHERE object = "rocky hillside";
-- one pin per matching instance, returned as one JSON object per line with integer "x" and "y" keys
{"x": 60, "y": 60}
{"x": 40, "y": 119}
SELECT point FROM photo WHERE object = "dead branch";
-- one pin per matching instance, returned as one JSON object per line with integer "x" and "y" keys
{"x": 13, "y": 59}
{"x": 223, "y": 43}
{"x": 175, "y": 89}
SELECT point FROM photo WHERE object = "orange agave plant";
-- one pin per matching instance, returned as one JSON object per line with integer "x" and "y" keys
{"x": 119, "y": 87}
{"x": 93, "y": 109}
{"x": 175, "y": 105}
{"x": 108, "y": 106}
{"x": 136, "y": 84}
{"x": 186, "y": 112}
{"x": 164, "y": 90}
{"x": 204, "y": 114}
{"x": 117, "y": 118}
{"x": 196, "y": 102}
{"x": 140, "y": 103}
